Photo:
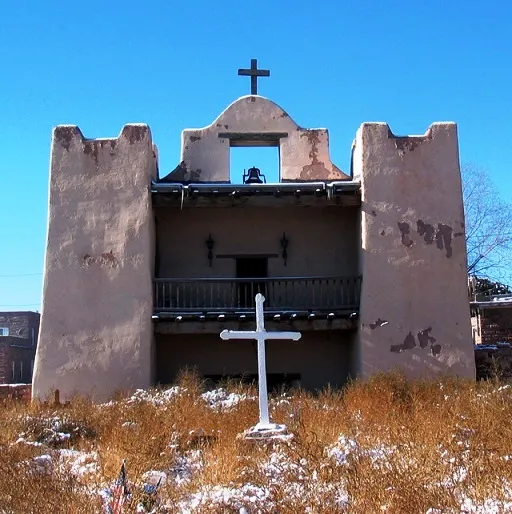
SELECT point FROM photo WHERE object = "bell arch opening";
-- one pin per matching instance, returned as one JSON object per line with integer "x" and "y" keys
{"x": 254, "y": 164}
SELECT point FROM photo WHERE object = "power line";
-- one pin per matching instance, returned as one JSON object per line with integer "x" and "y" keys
{"x": 19, "y": 304}
{"x": 21, "y": 275}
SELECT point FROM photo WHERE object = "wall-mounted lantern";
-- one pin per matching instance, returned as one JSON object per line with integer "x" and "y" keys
{"x": 210, "y": 243}
{"x": 284, "y": 248}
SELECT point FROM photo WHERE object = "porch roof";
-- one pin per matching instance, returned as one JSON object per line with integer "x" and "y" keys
{"x": 492, "y": 304}
{"x": 282, "y": 193}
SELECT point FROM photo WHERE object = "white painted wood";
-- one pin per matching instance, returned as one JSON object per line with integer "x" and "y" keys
{"x": 260, "y": 335}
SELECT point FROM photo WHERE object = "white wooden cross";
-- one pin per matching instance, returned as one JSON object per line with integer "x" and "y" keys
{"x": 261, "y": 335}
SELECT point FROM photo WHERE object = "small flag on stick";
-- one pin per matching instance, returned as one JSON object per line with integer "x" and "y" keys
{"x": 119, "y": 492}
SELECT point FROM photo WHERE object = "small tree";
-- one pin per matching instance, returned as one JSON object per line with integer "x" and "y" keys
{"x": 485, "y": 287}
{"x": 488, "y": 227}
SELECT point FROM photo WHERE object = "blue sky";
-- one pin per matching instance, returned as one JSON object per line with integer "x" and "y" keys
{"x": 173, "y": 65}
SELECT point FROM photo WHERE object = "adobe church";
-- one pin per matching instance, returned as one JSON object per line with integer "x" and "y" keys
{"x": 144, "y": 270}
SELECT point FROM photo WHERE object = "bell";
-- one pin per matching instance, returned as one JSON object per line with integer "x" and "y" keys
{"x": 253, "y": 176}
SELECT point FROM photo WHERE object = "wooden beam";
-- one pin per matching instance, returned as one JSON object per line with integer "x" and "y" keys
{"x": 239, "y": 139}
{"x": 215, "y": 327}
{"x": 233, "y": 201}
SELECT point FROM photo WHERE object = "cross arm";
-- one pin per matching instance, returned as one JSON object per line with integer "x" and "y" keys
{"x": 256, "y": 73}
{"x": 238, "y": 334}
{"x": 294, "y": 336}
{"x": 249, "y": 334}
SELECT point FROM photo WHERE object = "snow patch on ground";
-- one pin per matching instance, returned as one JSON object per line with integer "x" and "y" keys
{"x": 347, "y": 447}
{"x": 220, "y": 399}
{"x": 157, "y": 398}
{"x": 246, "y": 499}
{"x": 79, "y": 464}
{"x": 42, "y": 464}
{"x": 185, "y": 466}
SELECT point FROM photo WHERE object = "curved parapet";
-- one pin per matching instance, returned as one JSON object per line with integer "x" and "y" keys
{"x": 255, "y": 121}
{"x": 414, "y": 311}
{"x": 95, "y": 335}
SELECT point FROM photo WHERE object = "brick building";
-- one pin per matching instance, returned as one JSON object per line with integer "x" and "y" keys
{"x": 18, "y": 342}
{"x": 491, "y": 320}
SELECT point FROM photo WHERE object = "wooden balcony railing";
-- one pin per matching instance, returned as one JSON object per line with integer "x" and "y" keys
{"x": 183, "y": 295}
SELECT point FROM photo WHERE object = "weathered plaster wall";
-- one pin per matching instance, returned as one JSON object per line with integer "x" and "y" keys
{"x": 320, "y": 357}
{"x": 414, "y": 305}
{"x": 304, "y": 153}
{"x": 322, "y": 241}
{"x": 96, "y": 332}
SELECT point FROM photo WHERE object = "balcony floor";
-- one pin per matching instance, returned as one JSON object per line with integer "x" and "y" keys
{"x": 169, "y": 325}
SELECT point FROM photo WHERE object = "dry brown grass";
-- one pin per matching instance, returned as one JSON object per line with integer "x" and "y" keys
{"x": 406, "y": 448}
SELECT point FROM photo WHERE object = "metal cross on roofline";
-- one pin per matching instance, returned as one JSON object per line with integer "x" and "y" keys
{"x": 254, "y": 73}
{"x": 261, "y": 335}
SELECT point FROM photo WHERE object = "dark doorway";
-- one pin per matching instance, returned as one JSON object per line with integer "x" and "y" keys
{"x": 253, "y": 268}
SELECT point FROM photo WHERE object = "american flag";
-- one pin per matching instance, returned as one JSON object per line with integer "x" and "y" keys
{"x": 119, "y": 492}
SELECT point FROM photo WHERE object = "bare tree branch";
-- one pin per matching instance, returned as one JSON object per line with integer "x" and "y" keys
{"x": 488, "y": 226}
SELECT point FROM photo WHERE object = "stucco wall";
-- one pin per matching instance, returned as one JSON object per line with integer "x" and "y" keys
{"x": 414, "y": 306}
{"x": 320, "y": 357}
{"x": 322, "y": 241}
{"x": 303, "y": 153}
{"x": 96, "y": 331}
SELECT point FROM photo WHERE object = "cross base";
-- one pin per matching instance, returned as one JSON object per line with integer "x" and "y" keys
{"x": 267, "y": 432}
